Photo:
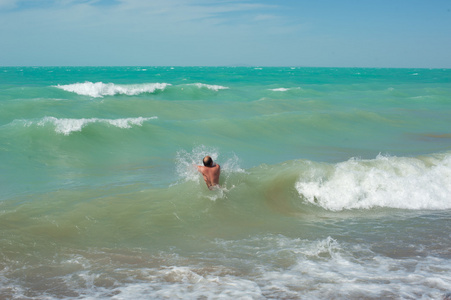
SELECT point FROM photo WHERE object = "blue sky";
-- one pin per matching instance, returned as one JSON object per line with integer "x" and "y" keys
{"x": 318, "y": 33}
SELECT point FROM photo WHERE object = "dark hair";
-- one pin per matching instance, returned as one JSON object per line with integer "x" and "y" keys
{"x": 207, "y": 161}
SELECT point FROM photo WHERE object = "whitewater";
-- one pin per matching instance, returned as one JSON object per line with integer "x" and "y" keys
{"x": 335, "y": 183}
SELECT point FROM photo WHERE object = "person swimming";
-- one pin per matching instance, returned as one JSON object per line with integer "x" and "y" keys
{"x": 211, "y": 171}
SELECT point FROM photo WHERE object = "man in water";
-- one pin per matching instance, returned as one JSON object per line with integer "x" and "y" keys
{"x": 210, "y": 170}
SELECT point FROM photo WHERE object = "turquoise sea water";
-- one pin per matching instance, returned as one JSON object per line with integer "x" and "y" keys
{"x": 336, "y": 183}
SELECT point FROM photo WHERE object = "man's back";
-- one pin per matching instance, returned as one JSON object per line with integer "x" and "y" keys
{"x": 210, "y": 171}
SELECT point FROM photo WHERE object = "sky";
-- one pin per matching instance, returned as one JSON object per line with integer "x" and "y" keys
{"x": 310, "y": 33}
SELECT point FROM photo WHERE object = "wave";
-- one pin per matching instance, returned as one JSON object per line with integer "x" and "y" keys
{"x": 66, "y": 125}
{"x": 284, "y": 89}
{"x": 100, "y": 89}
{"x": 421, "y": 183}
{"x": 387, "y": 182}
{"x": 210, "y": 87}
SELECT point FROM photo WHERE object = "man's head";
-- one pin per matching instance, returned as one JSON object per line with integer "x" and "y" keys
{"x": 208, "y": 162}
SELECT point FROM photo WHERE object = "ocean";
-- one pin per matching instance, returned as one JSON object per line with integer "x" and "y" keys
{"x": 335, "y": 183}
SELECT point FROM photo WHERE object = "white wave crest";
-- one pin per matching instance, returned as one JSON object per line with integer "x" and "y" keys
{"x": 67, "y": 126}
{"x": 393, "y": 182}
{"x": 100, "y": 89}
{"x": 284, "y": 89}
{"x": 210, "y": 87}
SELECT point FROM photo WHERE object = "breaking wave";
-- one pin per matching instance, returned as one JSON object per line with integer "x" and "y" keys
{"x": 389, "y": 182}
{"x": 210, "y": 87}
{"x": 284, "y": 89}
{"x": 66, "y": 125}
{"x": 100, "y": 89}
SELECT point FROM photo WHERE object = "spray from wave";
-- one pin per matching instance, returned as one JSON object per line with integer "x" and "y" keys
{"x": 186, "y": 163}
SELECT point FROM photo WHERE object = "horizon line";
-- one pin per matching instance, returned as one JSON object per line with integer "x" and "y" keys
{"x": 211, "y": 66}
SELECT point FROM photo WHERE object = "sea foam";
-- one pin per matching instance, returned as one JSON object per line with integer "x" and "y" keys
{"x": 100, "y": 89}
{"x": 392, "y": 182}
